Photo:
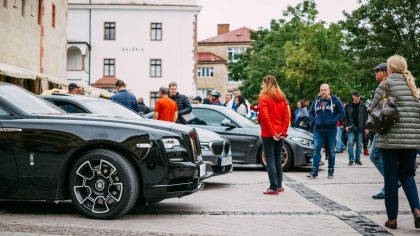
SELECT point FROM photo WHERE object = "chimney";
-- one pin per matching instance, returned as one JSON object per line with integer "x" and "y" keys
{"x": 222, "y": 28}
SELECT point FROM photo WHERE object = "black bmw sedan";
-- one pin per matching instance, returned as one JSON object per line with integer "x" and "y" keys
{"x": 104, "y": 166}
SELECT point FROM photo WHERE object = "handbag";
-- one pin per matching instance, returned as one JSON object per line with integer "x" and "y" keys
{"x": 384, "y": 115}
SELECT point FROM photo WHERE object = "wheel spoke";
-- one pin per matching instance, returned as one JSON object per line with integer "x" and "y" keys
{"x": 100, "y": 205}
{"x": 81, "y": 194}
{"x": 107, "y": 169}
{"x": 85, "y": 169}
{"x": 115, "y": 191}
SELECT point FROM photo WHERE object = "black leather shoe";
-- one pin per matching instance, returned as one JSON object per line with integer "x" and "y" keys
{"x": 379, "y": 196}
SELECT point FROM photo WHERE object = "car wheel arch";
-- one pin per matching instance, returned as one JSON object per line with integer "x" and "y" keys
{"x": 290, "y": 153}
{"x": 75, "y": 156}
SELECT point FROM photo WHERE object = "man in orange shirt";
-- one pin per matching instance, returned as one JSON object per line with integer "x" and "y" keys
{"x": 165, "y": 108}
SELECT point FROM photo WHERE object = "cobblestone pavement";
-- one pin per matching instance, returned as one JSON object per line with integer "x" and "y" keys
{"x": 234, "y": 205}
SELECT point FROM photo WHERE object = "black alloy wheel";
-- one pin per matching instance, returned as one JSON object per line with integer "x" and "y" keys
{"x": 103, "y": 184}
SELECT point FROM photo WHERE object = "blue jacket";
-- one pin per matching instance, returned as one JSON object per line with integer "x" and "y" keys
{"x": 126, "y": 99}
{"x": 325, "y": 119}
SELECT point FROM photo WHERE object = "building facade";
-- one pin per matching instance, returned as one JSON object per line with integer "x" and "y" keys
{"x": 33, "y": 41}
{"x": 145, "y": 43}
{"x": 214, "y": 55}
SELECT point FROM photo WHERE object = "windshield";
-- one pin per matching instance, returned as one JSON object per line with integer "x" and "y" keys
{"x": 109, "y": 108}
{"x": 242, "y": 120}
{"x": 27, "y": 101}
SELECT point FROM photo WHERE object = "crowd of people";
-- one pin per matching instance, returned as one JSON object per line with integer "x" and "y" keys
{"x": 336, "y": 126}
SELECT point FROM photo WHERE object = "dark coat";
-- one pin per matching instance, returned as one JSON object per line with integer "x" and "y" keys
{"x": 126, "y": 99}
{"x": 184, "y": 107}
{"x": 143, "y": 108}
{"x": 363, "y": 116}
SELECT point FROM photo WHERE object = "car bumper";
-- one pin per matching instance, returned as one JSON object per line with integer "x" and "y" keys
{"x": 217, "y": 165}
{"x": 302, "y": 154}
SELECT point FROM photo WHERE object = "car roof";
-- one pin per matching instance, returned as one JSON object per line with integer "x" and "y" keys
{"x": 70, "y": 97}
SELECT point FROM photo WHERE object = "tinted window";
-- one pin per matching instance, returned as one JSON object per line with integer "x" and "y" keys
{"x": 109, "y": 108}
{"x": 69, "y": 107}
{"x": 26, "y": 101}
{"x": 4, "y": 112}
{"x": 207, "y": 117}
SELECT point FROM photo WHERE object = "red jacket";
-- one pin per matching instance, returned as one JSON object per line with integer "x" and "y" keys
{"x": 273, "y": 117}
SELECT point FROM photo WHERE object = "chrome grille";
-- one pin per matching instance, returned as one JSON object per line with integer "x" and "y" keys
{"x": 227, "y": 147}
{"x": 217, "y": 148}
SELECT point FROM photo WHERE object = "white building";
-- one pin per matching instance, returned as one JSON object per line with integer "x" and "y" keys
{"x": 146, "y": 43}
{"x": 33, "y": 43}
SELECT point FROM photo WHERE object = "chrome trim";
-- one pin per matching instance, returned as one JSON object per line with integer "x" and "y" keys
{"x": 12, "y": 130}
{"x": 169, "y": 185}
{"x": 143, "y": 145}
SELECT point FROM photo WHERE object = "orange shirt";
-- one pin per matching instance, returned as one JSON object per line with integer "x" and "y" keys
{"x": 166, "y": 108}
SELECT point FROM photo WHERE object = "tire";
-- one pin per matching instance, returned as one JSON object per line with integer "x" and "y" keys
{"x": 287, "y": 158}
{"x": 103, "y": 184}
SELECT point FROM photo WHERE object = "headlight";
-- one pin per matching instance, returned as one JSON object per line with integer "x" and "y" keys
{"x": 302, "y": 141}
{"x": 170, "y": 142}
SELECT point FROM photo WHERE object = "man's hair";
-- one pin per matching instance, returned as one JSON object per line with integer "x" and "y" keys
{"x": 172, "y": 84}
{"x": 164, "y": 90}
{"x": 236, "y": 89}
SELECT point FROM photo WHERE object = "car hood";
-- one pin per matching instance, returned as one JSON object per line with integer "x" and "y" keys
{"x": 207, "y": 136}
{"x": 292, "y": 132}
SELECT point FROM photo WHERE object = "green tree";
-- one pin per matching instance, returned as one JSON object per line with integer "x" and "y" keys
{"x": 378, "y": 29}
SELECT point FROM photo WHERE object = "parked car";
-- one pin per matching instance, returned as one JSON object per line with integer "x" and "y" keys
{"x": 245, "y": 139}
{"x": 215, "y": 150}
{"x": 104, "y": 166}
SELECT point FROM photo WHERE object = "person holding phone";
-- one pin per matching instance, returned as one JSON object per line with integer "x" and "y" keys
{"x": 274, "y": 121}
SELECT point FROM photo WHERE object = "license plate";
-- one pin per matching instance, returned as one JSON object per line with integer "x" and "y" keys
{"x": 225, "y": 161}
{"x": 202, "y": 170}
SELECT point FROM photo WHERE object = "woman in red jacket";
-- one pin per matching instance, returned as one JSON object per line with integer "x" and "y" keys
{"x": 274, "y": 120}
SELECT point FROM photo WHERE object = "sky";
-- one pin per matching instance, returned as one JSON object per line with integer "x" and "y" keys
{"x": 258, "y": 13}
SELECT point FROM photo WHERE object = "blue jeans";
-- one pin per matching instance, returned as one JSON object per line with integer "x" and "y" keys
{"x": 319, "y": 140}
{"x": 339, "y": 147}
{"x": 399, "y": 164}
{"x": 272, "y": 150}
{"x": 376, "y": 158}
{"x": 355, "y": 137}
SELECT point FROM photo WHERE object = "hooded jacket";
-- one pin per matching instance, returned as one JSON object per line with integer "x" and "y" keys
{"x": 324, "y": 119}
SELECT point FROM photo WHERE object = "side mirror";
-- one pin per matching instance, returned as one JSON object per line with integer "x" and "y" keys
{"x": 228, "y": 123}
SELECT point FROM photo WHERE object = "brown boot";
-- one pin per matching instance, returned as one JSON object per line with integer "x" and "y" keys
{"x": 416, "y": 214}
{"x": 392, "y": 224}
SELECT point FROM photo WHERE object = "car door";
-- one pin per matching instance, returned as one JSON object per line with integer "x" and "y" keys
{"x": 8, "y": 169}
{"x": 212, "y": 120}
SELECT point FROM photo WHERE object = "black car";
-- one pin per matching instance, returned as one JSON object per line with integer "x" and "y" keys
{"x": 215, "y": 149}
{"x": 245, "y": 139}
{"x": 104, "y": 166}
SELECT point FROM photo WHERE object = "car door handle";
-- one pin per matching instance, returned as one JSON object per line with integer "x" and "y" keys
{"x": 11, "y": 130}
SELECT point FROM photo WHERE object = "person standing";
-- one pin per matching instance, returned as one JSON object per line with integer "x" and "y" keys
{"x": 143, "y": 109}
{"x": 354, "y": 124}
{"x": 215, "y": 98}
{"x": 183, "y": 103}
{"x": 400, "y": 143}
{"x": 123, "y": 97}
{"x": 165, "y": 108}
{"x": 228, "y": 97}
{"x": 301, "y": 116}
{"x": 375, "y": 154}
{"x": 232, "y": 105}
{"x": 325, "y": 112}
{"x": 274, "y": 120}
{"x": 73, "y": 88}
{"x": 242, "y": 108}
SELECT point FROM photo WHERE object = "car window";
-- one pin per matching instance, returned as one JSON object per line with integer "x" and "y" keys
{"x": 27, "y": 101}
{"x": 68, "y": 107}
{"x": 4, "y": 112}
{"x": 207, "y": 117}
{"x": 110, "y": 108}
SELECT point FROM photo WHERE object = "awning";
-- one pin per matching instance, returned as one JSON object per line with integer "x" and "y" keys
{"x": 54, "y": 80}
{"x": 16, "y": 72}
{"x": 97, "y": 92}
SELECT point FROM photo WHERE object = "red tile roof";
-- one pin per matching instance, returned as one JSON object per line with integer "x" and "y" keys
{"x": 208, "y": 57}
{"x": 105, "y": 82}
{"x": 237, "y": 36}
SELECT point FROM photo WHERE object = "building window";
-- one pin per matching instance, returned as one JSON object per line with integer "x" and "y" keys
{"x": 23, "y": 8}
{"x": 233, "y": 54}
{"x": 109, "y": 33}
{"x": 154, "y": 96}
{"x": 53, "y": 16}
{"x": 5, "y": 2}
{"x": 109, "y": 67}
{"x": 203, "y": 92}
{"x": 155, "y": 68}
{"x": 205, "y": 71}
{"x": 156, "y": 31}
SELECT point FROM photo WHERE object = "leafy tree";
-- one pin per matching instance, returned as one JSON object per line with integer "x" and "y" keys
{"x": 378, "y": 29}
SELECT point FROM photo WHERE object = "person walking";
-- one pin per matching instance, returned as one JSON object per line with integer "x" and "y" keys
{"x": 242, "y": 108}
{"x": 123, "y": 97}
{"x": 400, "y": 143}
{"x": 165, "y": 108}
{"x": 354, "y": 124}
{"x": 325, "y": 112}
{"x": 274, "y": 120}
{"x": 183, "y": 103}
{"x": 375, "y": 153}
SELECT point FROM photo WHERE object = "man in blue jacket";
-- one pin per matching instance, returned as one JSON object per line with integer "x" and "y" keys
{"x": 123, "y": 97}
{"x": 325, "y": 112}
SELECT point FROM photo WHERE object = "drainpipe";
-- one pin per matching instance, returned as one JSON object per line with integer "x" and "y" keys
{"x": 90, "y": 37}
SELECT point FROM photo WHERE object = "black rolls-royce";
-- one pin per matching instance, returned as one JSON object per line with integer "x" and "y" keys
{"x": 103, "y": 166}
